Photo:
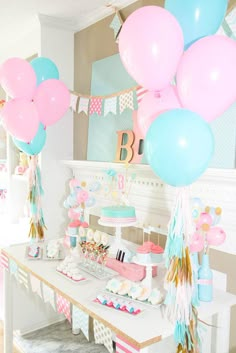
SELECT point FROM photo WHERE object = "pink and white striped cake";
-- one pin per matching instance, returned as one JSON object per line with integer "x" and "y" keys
{"x": 118, "y": 214}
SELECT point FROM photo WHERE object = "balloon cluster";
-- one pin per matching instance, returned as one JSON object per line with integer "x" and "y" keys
{"x": 187, "y": 90}
{"x": 79, "y": 199}
{"x": 38, "y": 100}
{"x": 207, "y": 231}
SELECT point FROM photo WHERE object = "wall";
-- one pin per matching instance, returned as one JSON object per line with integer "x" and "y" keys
{"x": 94, "y": 43}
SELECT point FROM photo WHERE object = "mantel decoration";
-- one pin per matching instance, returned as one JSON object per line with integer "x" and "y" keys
{"x": 38, "y": 99}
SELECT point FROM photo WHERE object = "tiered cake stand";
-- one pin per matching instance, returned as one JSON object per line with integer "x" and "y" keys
{"x": 118, "y": 243}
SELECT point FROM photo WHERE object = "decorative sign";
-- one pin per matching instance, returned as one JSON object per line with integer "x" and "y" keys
{"x": 126, "y": 150}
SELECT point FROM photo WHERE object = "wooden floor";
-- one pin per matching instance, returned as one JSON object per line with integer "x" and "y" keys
{"x": 1, "y": 340}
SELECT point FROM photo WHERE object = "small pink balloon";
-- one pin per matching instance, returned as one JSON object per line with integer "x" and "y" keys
{"x": 155, "y": 103}
{"x": 52, "y": 100}
{"x": 206, "y": 76}
{"x": 215, "y": 236}
{"x": 20, "y": 119}
{"x": 204, "y": 219}
{"x": 72, "y": 214}
{"x": 151, "y": 45}
{"x": 82, "y": 196}
{"x": 74, "y": 183}
{"x": 197, "y": 242}
{"x": 18, "y": 78}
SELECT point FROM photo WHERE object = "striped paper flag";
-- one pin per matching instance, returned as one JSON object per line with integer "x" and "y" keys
{"x": 4, "y": 261}
{"x": 140, "y": 93}
{"x": 123, "y": 346}
{"x": 23, "y": 278}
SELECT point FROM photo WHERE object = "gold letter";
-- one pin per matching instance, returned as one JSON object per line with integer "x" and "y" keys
{"x": 124, "y": 146}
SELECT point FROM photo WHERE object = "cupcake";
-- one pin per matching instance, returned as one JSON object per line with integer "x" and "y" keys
{"x": 113, "y": 285}
{"x": 157, "y": 253}
{"x": 125, "y": 287}
{"x": 135, "y": 291}
{"x": 143, "y": 254}
{"x": 155, "y": 297}
{"x": 72, "y": 228}
{"x": 144, "y": 294}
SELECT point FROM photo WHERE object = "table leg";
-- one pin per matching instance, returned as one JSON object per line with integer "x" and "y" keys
{"x": 8, "y": 313}
{"x": 222, "y": 331}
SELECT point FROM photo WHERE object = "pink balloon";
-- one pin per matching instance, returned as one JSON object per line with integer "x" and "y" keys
{"x": 197, "y": 242}
{"x": 20, "y": 119}
{"x": 155, "y": 103}
{"x": 52, "y": 100}
{"x": 204, "y": 219}
{"x": 150, "y": 46}
{"x": 82, "y": 196}
{"x": 216, "y": 236}
{"x": 72, "y": 214}
{"x": 206, "y": 77}
{"x": 74, "y": 183}
{"x": 18, "y": 78}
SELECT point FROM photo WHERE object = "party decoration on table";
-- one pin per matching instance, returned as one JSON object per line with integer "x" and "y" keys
{"x": 53, "y": 250}
{"x": 36, "y": 285}
{"x": 123, "y": 345}
{"x": 124, "y": 305}
{"x": 179, "y": 284}
{"x": 49, "y": 295}
{"x": 37, "y": 224}
{"x": 174, "y": 137}
{"x": 69, "y": 269}
{"x": 197, "y": 18}
{"x": 148, "y": 39}
{"x": 4, "y": 261}
{"x": 63, "y": 306}
{"x": 207, "y": 86}
{"x": 155, "y": 103}
{"x": 116, "y": 22}
{"x": 80, "y": 321}
{"x": 33, "y": 252}
{"x": 103, "y": 335}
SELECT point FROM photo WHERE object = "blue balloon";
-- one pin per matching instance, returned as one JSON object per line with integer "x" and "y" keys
{"x": 36, "y": 145}
{"x": 197, "y": 18}
{"x": 178, "y": 146}
{"x": 45, "y": 69}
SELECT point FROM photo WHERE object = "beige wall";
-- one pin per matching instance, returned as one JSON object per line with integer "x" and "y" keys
{"x": 94, "y": 43}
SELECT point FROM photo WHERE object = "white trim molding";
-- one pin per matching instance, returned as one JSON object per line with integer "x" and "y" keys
{"x": 153, "y": 199}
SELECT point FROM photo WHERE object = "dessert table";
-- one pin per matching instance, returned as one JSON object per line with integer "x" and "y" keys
{"x": 145, "y": 331}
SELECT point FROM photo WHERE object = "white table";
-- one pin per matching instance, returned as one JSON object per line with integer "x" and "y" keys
{"x": 144, "y": 330}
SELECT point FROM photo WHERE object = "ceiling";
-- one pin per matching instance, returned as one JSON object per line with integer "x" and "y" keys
{"x": 18, "y": 17}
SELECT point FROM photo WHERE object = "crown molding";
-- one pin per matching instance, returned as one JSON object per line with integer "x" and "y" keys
{"x": 99, "y": 14}
{"x": 69, "y": 24}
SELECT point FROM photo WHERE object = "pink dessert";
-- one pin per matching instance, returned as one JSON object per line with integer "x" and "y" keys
{"x": 157, "y": 253}
{"x": 144, "y": 253}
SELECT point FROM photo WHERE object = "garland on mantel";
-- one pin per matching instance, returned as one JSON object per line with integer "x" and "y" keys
{"x": 115, "y": 103}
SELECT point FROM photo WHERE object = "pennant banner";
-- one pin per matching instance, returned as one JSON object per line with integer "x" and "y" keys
{"x": 63, "y": 306}
{"x": 13, "y": 268}
{"x": 103, "y": 335}
{"x": 83, "y": 105}
{"x": 110, "y": 106}
{"x": 123, "y": 346}
{"x": 126, "y": 100}
{"x": 73, "y": 101}
{"x": 80, "y": 320}
{"x": 36, "y": 285}
{"x": 95, "y": 106}
{"x": 23, "y": 278}
{"x": 4, "y": 261}
{"x": 48, "y": 295}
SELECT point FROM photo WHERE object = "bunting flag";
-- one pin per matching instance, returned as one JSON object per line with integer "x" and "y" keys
{"x": 23, "y": 278}
{"x": 123, "y": 346}
{"x": 126, "y": 100}
{"x": 179, "y": 284}
{"x": 4, "y": 261}
{"x": 73, "y": 101}
{"x": 95, "y": 106}
{"x": 116, "y": 24}
{"x": 63, "y": 306}
{"x": 103, "y": 335}
{"x": 36, "y": 285}
{"x": 140, "y": 93}
{"x": 48, "y": 295}
{"x": 13, "y": 268}
{"x": 83, "y": 105}
{"x": 110, "y": 106}
{"x": 80, "y": 320}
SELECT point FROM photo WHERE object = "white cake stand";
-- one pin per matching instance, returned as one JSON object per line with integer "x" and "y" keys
{"x": 148, "y": 280}
{"x": 118, "y": 244}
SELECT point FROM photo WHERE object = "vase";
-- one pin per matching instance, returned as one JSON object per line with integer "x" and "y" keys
{"x": 205, "y": 275}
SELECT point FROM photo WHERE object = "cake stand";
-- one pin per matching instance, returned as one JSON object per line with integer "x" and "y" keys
{"x": 118, "y": 244}
{"x": 148, "y": 280}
